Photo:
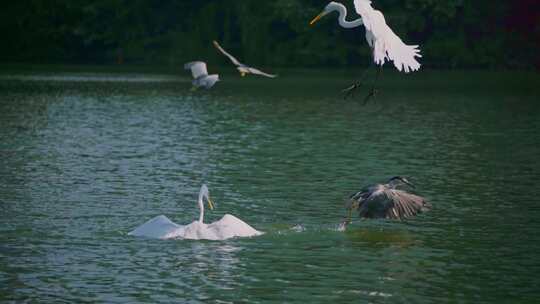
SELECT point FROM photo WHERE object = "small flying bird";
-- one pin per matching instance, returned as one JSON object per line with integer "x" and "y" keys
{"x": 200, "y": 75}
{"x": 388, "y": 201}
{"x": 242, "y": 68}
{"x": 384, "y": 43}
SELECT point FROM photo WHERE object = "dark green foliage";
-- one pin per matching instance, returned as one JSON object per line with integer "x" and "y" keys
{"x": 454, "y": 33}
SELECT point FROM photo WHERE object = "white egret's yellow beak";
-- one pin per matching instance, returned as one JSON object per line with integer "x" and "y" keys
{"x": 319, "y": 16}
{"x": 210, "y": 204}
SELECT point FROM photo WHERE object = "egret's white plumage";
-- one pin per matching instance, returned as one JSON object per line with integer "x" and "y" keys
{"x": 227, "y": 227}
{"x": 385, "y": 44}
{"x": 242, "y": 68}
{"x": 160, "y": 227}
{"x": 200, "y": 75}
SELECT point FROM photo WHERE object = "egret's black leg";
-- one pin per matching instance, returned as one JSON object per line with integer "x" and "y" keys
{"x": 349, "y": 91}
{"x": 374, "y": 91}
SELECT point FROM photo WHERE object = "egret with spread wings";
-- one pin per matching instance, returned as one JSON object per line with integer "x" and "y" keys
{"x": 242, "y": 68}
{"x": 387, "y": 200}
{"x": 200, "y": 75}
{"x": 384, "y": 43}
{"x": 228, "y": 226}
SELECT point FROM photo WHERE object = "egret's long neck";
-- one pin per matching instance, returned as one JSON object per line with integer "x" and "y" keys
{"x": 342, "y": 11}
{"x": 201, "y": 208}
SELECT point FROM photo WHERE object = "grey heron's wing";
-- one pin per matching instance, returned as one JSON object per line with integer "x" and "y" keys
{"x": 198, "y": 68}
{"x": 358, "y": 200}
{"x": 362, "y": 194}
{"x": 259, "y": 72}
{"x": 231, "y": 57}
{"x": 402, "y": 204}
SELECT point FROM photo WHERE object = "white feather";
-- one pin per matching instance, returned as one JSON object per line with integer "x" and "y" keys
{"x": 198, "y": 68}
{"x": 200, "y": 75}
{"x": 229, "y": 226}
{"x": 386, "y": 45}
{"x": 242, "y": 68}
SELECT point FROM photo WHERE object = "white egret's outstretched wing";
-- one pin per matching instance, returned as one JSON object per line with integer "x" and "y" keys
{"x": 242, "y": 68}
{"x": 231, "y": 57}
{"x": 160, "y": 227}
{"x": 401, "y": 54}
{"x": 230, "y": 226}
{"x": 259, "y": 72}
{"x": 198, "y": 68}
{"x": 206, "y": 81}
{"x": 385, "y": 43}
{"x": 227, "y": 227}
{"x": 365, "y": 10}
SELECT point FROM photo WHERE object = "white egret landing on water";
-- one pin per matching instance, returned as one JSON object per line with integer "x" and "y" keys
{"x": 200, "y": 75}
{"x": 228, "y": 226}
{"x": 384, "y": 43}
{"x": 387, "y": 200}
{"x": 242, "y": 68}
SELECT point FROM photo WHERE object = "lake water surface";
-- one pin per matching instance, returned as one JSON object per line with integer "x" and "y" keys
{"x": 87, "y": 157}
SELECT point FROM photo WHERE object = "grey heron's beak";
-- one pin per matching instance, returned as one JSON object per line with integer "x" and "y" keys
{"x": 408, "y": 183}
{"x": 210, "y": 203}
{"x": 346, "y": 221}
{"x": 319, "y": 16}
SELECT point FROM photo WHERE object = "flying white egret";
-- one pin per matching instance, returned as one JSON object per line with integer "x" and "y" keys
{"x": 387, "y": 201}
{"x": 229, "y": 226}
{"x": 242, "y": 68}
{"x": 200, "y": 75}
{"x": 385, "y": 44}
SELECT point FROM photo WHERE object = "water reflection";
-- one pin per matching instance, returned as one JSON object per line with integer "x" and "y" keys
{"x": 133, "y": 78}
{"x": 85, "y": 160}
{"x": 380, "y": 237}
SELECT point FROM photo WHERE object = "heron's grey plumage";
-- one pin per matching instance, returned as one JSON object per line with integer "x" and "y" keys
{"x": 386, "y": 201}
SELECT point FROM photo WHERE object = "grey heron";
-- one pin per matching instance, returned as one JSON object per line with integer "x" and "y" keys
{"x": 384, "y": 43}
{"x": 242, "y": 68}
{"x": 390, "y": 200}
{"x": 200, "y": 75}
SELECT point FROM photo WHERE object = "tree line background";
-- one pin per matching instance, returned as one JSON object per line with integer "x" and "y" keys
{"x": 452, "y": 34}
